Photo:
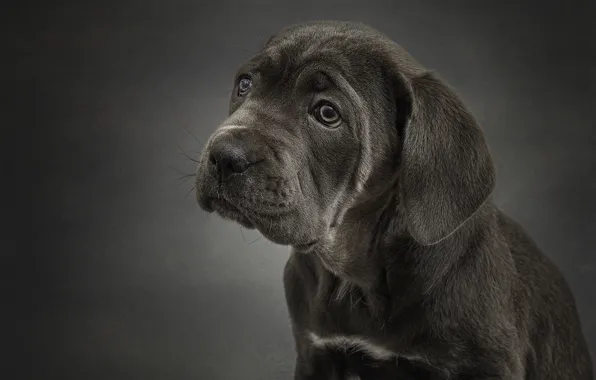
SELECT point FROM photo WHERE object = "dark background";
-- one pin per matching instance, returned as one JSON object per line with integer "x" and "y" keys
{"x": 130, "y": 280}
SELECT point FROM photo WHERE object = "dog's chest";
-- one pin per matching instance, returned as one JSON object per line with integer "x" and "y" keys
{"x": 328, "y": 306}
{"x": 345, "y": 310}
{"x": 373, "y": 360}
{"x": 337, "y": 317}
{"x": 345, "y": 319}
{"x": 346, "y": 343}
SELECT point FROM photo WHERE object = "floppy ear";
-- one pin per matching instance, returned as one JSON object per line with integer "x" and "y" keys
{"x": 446, "y": 169}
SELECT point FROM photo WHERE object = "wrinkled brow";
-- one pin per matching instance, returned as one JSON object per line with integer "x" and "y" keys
{"x": 277, "y": 65}
{"x": 293, "y": 65}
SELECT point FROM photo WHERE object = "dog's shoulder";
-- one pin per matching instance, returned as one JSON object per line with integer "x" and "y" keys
{"x": 545, "y": 304}
{"x": 539, "y": 279}
{"x": 531, "y": 263}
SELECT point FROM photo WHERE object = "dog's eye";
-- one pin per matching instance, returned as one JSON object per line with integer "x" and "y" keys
{"x": 326, "y": 114}
{"x": 244, "y": 85}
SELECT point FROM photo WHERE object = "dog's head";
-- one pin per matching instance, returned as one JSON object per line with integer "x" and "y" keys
{"x": 330, "y": 115}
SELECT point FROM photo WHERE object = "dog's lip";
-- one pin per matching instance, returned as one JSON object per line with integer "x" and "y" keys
{"x": 306, "y": 247}
{"x": 248, "y": 215}
{"x": 220, "y": 202}
{"x": 228, "y": 210}
{"x": 267, "y": 211}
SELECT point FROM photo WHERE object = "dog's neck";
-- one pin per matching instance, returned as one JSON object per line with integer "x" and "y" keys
{"x": 373, "y": 249}
{"x": 350, "y": 250}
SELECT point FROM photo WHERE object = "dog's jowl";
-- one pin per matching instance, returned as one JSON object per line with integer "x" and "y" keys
{"x": 342, "y": 146}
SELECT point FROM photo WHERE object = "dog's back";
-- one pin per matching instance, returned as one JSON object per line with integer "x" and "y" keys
{"x": 547, "y": 310}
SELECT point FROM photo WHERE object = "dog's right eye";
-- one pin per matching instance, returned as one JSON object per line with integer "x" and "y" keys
{"x": 244, "y": 85}
{"x": 326, "y": 114}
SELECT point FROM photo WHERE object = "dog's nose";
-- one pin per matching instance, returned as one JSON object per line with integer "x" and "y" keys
{"x": 229, "y": 156}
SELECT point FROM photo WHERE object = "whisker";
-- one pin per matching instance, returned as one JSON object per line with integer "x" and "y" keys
{"x": 184, "y": 175}
{"x": 192, "y": 134}
{"x": 186, "y": 155}
{"x": 257, "y": 239}
{"x": 177, "y": 171}
{"x": 190, "y": 191}
{"x": 243, "y": 237}
{"x": 187, "y": 176}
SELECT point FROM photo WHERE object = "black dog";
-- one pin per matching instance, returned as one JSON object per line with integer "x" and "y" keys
{"x": 342, "y": 146}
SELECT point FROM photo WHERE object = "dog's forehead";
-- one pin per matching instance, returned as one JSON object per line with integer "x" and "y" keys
{"x": 314, "y": 48}
{"x": 304, "y": 41}
{"x": 326, "y": 31}
{"x": 342, "y": 43}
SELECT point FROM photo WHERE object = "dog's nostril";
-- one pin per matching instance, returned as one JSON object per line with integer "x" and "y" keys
{"x": 229, "y": 157}
{"x": 231, "y": 165}
{"x": 239, "y": 166}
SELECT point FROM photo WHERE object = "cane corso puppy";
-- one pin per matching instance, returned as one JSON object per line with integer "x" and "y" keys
{"x": 342, "y": 146}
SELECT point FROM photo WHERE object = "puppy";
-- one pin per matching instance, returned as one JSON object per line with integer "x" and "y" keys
{"x": 342, "y": 146}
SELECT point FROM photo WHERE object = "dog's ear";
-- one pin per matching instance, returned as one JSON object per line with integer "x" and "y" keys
{"x": 446, "y": 169}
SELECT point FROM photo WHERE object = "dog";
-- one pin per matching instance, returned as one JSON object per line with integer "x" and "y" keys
{"x": 342, "y": 146}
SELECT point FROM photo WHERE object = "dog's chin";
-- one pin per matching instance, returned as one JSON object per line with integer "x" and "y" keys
{"x": 229, "y": 212}
{"x": 279, "y": 228}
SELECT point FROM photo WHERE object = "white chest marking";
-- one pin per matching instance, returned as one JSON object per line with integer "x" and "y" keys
{"x": 352, "y": 343}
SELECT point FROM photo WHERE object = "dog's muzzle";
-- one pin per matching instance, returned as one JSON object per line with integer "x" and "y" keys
{"x": 229, "y": 156}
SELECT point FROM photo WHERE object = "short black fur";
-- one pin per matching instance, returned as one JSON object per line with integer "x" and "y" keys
{"x": 396, "y": 241}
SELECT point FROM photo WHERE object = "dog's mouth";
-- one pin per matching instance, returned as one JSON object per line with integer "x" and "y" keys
{"x": 252, "y": 218}
{"x": 306, "y": 247}
{"x": 247, "y": 217}
{"x": 228, "y": 211}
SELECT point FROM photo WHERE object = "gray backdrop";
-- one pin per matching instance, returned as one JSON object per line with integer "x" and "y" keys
{"x": 130, "y": 280}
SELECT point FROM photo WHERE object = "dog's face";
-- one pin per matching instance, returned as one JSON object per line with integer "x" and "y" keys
{"x": 316, "y": 125}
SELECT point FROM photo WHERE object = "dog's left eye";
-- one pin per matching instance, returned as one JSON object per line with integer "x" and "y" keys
{"x": 326, "y": 114}
{"x": 244, "y": 85}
